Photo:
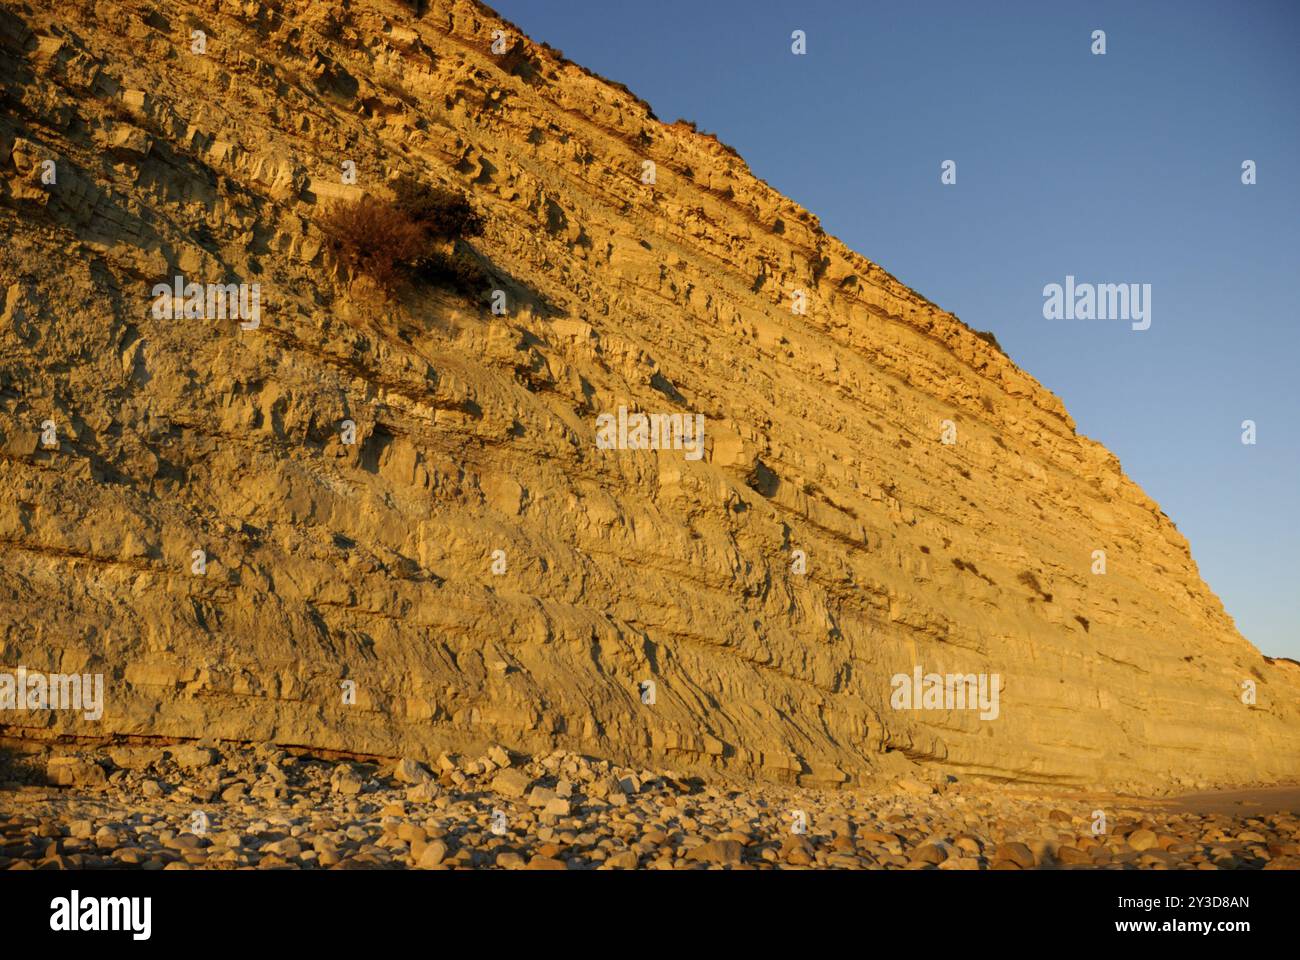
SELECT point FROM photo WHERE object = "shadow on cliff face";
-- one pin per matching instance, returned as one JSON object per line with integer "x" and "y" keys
{"x": 518, "y": 293}
{"x": 763, "y": 480}
{"x": 373, "y": 451}
{"x": 17, "y": 769}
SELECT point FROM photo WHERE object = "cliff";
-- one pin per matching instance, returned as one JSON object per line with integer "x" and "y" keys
{"x": 474, "y": 563}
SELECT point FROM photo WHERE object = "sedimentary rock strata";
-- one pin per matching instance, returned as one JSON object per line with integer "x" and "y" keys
{"x": 880, "y": 489}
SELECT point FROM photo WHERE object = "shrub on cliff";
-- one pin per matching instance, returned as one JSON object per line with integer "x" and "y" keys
{"x": 373, "y": 238}
{"x": 389, "y": 241}
{"x": 518, "y": 62}
{"x": 988, "y": 337}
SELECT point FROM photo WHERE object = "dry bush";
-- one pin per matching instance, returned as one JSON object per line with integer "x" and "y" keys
{"x": 407, "y": 238}
{"x": 374, "y": 238}
{"x": 988, "y": 337}
{"x": 518, "y": 62}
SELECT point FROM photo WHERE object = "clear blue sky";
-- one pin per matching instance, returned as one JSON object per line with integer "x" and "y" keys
{"x": 1117, "y": 168}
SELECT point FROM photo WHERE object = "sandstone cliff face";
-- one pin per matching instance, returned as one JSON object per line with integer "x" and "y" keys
{"x": 374, "y": 562}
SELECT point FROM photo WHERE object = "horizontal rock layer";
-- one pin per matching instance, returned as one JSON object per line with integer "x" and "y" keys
{"x": 376, "y": 562}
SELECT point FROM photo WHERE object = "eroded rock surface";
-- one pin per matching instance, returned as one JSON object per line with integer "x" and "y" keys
{"x": 373, "y": 563}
